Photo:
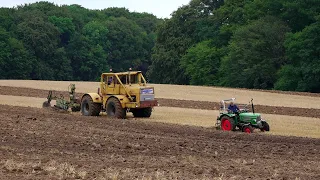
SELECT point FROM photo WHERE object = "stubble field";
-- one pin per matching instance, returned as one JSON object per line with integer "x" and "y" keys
{"x": 178, "y": 141}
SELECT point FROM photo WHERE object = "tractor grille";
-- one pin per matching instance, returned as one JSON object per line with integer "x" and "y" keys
{"x": 146, "y": 97}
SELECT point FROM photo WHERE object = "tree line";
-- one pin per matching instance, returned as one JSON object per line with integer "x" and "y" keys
{"x": 261, "y": 44}
{"x": 44, "y": 41}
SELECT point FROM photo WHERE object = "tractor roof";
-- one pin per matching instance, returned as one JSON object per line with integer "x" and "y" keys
{"x": 123, "y": 73}
{"x": 226, "y": 100}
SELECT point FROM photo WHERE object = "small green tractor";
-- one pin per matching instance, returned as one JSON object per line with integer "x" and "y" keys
{"x": 242, "y": 119}
{"x": 61, "y": 102}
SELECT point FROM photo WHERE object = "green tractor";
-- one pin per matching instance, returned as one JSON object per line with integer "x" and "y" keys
{"x": 242, "y": 119}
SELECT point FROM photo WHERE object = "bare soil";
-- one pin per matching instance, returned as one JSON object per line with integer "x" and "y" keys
{"x": 47, "y": 144}
{"x": 280, "y": 110}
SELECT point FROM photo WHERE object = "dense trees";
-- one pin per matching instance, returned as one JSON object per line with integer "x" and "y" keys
{"x": 255, "y": 54}
{"x": 302, "y": 73}
{"x": 267, "y": 44}
{"x": 45, "y": 41}
{"x": 201, "y": 63}
{"x": 14, "y": 59}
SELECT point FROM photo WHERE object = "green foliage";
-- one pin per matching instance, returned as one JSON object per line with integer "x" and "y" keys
{"x": 88, "y": 58}
{"x": 254, "y": 57}
{"x": 128, "y": 44}
{"x": 202, "y": 63}
{"x": 289, "y": 78}
{"x": 65, "y": 27}
{"x": 263, "y": 44}
{"x": 45, "y": 41}
{"x": 240, "y": 44}
{"x": 6, "y": 18}
{"x": 303, "y": 71}
{"x": 14, "y": 59}
{"x": 174, "y": 37}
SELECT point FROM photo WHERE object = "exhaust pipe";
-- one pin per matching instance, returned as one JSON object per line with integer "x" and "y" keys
{"x": 252, "y": 106}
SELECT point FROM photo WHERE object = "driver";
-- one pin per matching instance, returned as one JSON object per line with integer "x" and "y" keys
{"x": 232, "y": 107}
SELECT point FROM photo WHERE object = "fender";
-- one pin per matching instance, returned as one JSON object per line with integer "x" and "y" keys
{"x": 229, "y": 115}
{"x": 96, "y": 98}
{"x": 122, "y": 98}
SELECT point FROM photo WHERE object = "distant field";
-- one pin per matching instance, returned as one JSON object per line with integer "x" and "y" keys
{"x": 21, "y": 101}
{"x": 280, "y": 125}
{"x": 187, "y": 93}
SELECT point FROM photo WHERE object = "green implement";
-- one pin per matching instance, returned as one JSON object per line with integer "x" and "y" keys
{"x": 61, "y": 102}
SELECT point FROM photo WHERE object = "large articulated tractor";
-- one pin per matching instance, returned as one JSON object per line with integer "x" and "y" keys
{"x": 118, "y": 94}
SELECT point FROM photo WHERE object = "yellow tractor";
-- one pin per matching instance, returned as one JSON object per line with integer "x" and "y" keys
{"x": 118, "y": 94}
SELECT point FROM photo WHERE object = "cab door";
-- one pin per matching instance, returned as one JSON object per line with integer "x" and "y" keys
{"x": 109, "y": 85}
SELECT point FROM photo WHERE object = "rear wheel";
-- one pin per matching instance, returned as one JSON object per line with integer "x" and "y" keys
{"x": 114, "y": 109}
{"x": 265, "y": 126}
{"x": 227, "y": 124}
{"x": 90, "y": 108}
{"x": 247, "y": 129}
{"x": 145, "y": 112}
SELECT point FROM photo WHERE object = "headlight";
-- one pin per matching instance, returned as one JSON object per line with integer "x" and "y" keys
{"x": 147, "y": 91}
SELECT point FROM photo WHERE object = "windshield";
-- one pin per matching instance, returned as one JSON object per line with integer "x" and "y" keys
{"x": 131, "y": 79}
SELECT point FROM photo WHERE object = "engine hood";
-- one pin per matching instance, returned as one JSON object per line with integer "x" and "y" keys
{"x": 252, "y": 115}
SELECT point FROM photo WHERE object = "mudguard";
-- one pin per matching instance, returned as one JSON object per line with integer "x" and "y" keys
{"x": 122, "y": 98}
{"x": 94, "y": 96}
{"x": 229, "y": 115}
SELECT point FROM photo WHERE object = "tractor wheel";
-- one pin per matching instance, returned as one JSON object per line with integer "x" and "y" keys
{"x": 46, "y": 104}
{"x": 145, "y": 112}
{"x": 265, "y": 127}
{"x": 247, "y": 129}
{"x": 89, "y": 108}
{"x": 227, "y": 124}
{"x": 114, "y": 109}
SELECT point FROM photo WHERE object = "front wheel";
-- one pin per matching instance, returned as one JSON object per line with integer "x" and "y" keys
{"x": 265, "y": 126}
{"x": 247, "y": 129}
{"x": 114, "y": 109}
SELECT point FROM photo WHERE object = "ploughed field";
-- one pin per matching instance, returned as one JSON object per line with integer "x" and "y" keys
{"x": 178, "y": 141}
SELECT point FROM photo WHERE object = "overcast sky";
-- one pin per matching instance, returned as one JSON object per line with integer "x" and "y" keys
{"x": 160, "y": 8}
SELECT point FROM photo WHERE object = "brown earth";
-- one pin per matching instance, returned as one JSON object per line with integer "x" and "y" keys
{"x": 44, "y": 144}
{"x": 302, "y": 112}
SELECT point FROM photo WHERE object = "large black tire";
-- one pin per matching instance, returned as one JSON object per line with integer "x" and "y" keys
{"x": 89, "y": 108}
{"x": 114, "y": 109}
{"x": 227, "y": 123}
{"x": 145, "y": 112}
{"x": 265, "y": 126}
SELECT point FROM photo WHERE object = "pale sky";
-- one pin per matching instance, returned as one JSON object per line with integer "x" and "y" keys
{"x": 160, "y": 8}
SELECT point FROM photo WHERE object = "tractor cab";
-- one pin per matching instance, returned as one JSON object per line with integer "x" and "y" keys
{"x": 242, "y": 118}
{"x": 121, "y": 83}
